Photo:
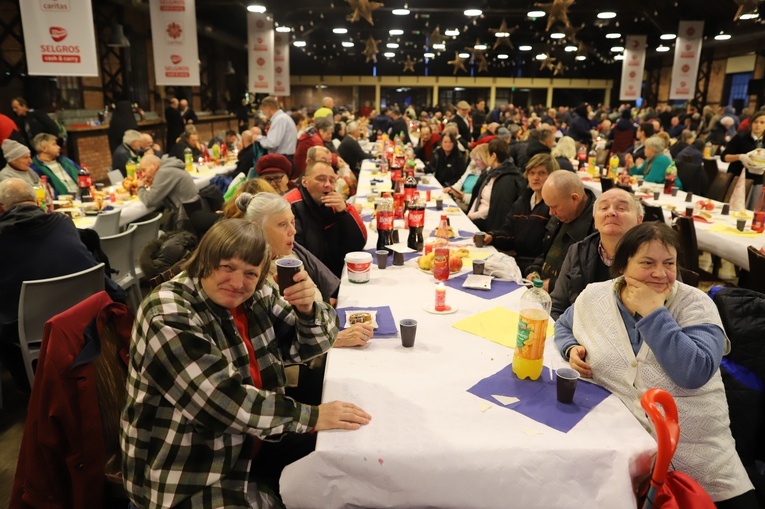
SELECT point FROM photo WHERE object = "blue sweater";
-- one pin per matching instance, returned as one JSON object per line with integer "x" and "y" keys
{"x": 690, "y": 355}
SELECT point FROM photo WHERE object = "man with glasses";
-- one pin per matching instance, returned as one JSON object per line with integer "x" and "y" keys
{"x": 326, "y": 225}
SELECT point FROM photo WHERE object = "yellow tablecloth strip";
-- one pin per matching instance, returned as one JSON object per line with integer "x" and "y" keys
{"x": 498, "y": 324}
{"x": 730, "y": 230}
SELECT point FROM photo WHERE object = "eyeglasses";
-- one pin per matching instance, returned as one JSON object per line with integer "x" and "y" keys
{"x": 273, "y": 178}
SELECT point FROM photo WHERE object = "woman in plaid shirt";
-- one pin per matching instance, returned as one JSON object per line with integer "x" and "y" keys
{"x": 206, "y": 376}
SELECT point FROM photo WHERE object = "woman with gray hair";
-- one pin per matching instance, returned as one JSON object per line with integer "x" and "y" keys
{"x": 274, "y": 214}
{"x": 564, "y": 151}
{"x": 654, "y": 167}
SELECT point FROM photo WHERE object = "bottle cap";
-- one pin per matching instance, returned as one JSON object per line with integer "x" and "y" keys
{"x": 538, "y": 283}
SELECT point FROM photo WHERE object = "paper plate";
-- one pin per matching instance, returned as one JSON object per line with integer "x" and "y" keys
{"x": 432, "y": 309}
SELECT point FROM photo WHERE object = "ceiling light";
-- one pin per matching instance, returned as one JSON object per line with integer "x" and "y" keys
{"x": 619, "y": 57}
{"x": 541, "y": 56}
{"x": 502, "y": 34}
{"x": 750, "y": 15}
{"x": 557, "y": 35}
{"x": 524, "y": 48}
{"x": 451, "y": 32}
{"x": 502, "y": 56}
{"x": 459, "y": 89}
{"x": 613, "y": 35}
{"x": 473, "y": 12}
{"x": 439, "y": 46}
{"x": 464, "y": 55}
{"x": 581, "y": 57}
{"x": 256, "y": 8}
{"x": 617, "y": 49}
{"x": 347, "y": 44}
{"x": 662, "y": 49}
{"x": 389, "y": 54}
{"x": 536, "y": 14}
{"x": 299, "y": 44}
{"x": 722, "y": 37}
{"x": 667, "y": 37}
{"x": 569, "y": 49}
{"x": 479, "y": 47}
{"x": 606, "y": 15}
{"x": 392, "y": 45}
{"x": 340, "y": 30}
{"x": 396, "y": 31}
{"x": 283, "y": 29}
{"x": 430, "y": 55}
{"x": 400, "y": 12}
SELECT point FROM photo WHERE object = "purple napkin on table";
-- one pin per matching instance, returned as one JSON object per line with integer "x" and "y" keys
{"x": 423, "y": 187}
{"x": 386, "y": 324}
{"x": 498, "y": 288}
{"x": 538, "y": 398}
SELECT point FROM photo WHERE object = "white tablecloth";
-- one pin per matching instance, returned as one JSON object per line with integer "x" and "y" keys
{"x": 431, "y": 443}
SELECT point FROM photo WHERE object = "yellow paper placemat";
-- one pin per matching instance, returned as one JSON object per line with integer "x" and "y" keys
{"x": 498, "y": 324}
{"x": 467, "y": 262}
{"x": 730, "y": 230}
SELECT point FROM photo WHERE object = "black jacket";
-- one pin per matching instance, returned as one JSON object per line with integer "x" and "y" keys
{"x": 400, "y": 125}
{"x": 580, "y": 268}
{"x": 174, "y": 127}
{"x": 742, "y": 143}
{"x": 36, "y": 122}
{"x": 464, "y": 127}
{"x": 580, "y": 228}
{"x": 121, "y": 155}
{"x": 122, "y": 120}
{"x": 381, "y": 123}
{"x": 179, "y": 151}
{"x": 580, "y": 130}
{"x": 447, "y": 168}
{"x": 533, "y": 147}
{"x": 479, "y": 119}
{"x": 523, "y": 230}
{"x": 351, "y": 152}
{"x": 245, "y": 160}
{"x": 508, "y": 186}
{"x": 325, "y": 280}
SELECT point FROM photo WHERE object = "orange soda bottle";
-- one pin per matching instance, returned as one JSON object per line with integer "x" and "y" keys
{"x": 532, "y": 331}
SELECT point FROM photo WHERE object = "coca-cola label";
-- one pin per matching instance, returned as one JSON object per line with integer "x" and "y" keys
{"x": 385, "y": 221}
{"x": 84, "y": 181}
{"x": 416, "y": 218}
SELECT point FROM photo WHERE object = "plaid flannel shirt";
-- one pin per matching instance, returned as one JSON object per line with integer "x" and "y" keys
{"x": 192, "y": 413}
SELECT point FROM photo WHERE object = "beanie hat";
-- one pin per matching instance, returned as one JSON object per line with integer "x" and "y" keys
{"x": 272, "y": 163}
{"x": 13, "y": 150}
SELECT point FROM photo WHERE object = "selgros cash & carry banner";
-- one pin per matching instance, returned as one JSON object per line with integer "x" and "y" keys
{"x": 632, "y": 68}
{"x": 260, "y": 51}
{"x": 174, "y": 38}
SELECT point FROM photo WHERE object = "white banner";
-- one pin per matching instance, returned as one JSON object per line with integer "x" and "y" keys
{"x": 632, "y": 68}
{"x": 687, "y": 54}
{"x": 281, "y": 64}
{"x": 59, "y": 37}
{"x": 260, "y": 32}
{"x": 174, "y": 39}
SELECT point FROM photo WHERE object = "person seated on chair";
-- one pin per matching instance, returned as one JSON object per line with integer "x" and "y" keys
{"x": 189, "y": 139}
{"x": 644, "y": 329}
{"x": 19, "y": 163}
{"x": 132, "y": 147}
{"x": 588, "y": 261}
{"x": 165, "y": 181}
{"x": 28, "y": 237}
{"x": 683, "y": 141}
{"x": 60, "y": 170}
{"x": 276, "y": 170}
{"x": 654, "y": 166}
{"x": 205, "y": 393}
{"x": 252, "y": 186}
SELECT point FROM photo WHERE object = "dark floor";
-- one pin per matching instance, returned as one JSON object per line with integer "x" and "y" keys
{"x": 12, "y": 417}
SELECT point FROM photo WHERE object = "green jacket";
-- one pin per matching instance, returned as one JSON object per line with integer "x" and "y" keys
{"x": 69, "y": 166}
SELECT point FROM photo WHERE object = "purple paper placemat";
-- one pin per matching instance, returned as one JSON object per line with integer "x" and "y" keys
{"x": 498, "y": 288}
{"x": 538, "y": 398}
{"x": 366, "y": 217}
{"x": 407, "y": 256}
{"x": 386, "y": 324}
{"x": 423, "y": 187}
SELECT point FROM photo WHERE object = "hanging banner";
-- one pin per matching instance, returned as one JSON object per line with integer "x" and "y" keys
{"x": 687, "y": 55}
{"x": 260, "y": 53}
{"x": 174, "y": 39}
{"x": 632, "y": 68}
{"x": 59, "y": 37}
{"x": 281, "y": 64}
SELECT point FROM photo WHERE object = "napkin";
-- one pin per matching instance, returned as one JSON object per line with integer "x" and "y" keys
{"x": 498, "y": 288}
{"x": 538, "y": 398}
{"x": 386, "y": 323}
{"x": 731, "y": 230}
{"x": 498, "y": 324}
{"x": 407, "y": 256}
{"x": 423, "y": 187}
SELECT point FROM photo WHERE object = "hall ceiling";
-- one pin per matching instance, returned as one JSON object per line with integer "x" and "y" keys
{"x": 313, "y": 21}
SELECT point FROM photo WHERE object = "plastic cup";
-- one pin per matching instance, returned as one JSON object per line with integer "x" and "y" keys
{"x": 674, "y": 191}
{"x": 656, "y": 195}
{"x": 566, "y": 384}
{"x": 286, "y": 268}
{"x": 439, "y": 203}
{"x": 398, "y": 258}
{"x": 689, "y": 211}
{"x": 408, "y": 332}
{"x": 689, "y": 196}
{"x": 395, "y": 238}
{"x": 478, "y": 267}
{"x": 479, "y": 239}
{"x": 382, "y": 258}
{"x": 725, "y": 209}
{"x": 741, "y": 224}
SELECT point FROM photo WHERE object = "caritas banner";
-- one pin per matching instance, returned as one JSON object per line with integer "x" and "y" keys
{"x": 687, "y": 55}
{"x": 260, "y": 53}
{"x": 281, "y": 64}
{"x": 174, "y": 38}
{"x": 632, "y": 68}
{"x": 59, "y": 37}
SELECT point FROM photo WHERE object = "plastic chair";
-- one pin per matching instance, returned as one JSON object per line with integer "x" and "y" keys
{"x": 711, "y": 169}
{"x": 719, "y": 186}
{"x": 653, "y": 213}
{"x": 606, "y": 183}
{"x": 42, "y": 299}
{"x": 115, "y": 177}
{"x": 692, "y": 176}
{"x": 119, "y": 249}
{"x": 108, "y": 223}
{"x": 754, "y": 279}
{"x": 689, "y": 255}
{"x": 145, "y": 232}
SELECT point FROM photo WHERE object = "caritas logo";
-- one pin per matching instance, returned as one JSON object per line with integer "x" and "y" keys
{"x": 261, "y": 62}
{"x": 176, "y": 59}
{"x": 58, "y": 34}
{"x": 686, "y": 68}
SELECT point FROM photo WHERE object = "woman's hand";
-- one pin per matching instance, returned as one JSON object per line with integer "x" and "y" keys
{"x": 576, "y": 357}
{"x": 487, "y": 238}
{"x": 341, "y": 415}
{"x": 641, "y": 298}
{"x": 301, "y": 295}
{"x": 356, "y": 335}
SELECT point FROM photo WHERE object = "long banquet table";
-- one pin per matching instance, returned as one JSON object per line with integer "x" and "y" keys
{"x": 433, "y": 444}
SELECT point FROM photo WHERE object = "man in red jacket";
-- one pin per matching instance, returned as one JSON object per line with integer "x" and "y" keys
{"x": 428, "y": 141}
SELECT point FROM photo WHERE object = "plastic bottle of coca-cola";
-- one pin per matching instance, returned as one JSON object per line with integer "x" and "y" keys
{"x": 385, "y": 223}
{"x": 416, "y": 223}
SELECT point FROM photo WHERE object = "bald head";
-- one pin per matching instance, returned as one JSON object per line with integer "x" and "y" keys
{"x": 15, "y": 192}
{"x": 318, "y": 153}
{"x": 565, "y": 182}
{"x": 247, "y": 138}
{"x": 564, "y": 193}
{"x": 174, "y": 103}
{"x": 184, "y": 104}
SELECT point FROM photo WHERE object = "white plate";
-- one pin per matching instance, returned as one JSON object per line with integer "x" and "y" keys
{"x": 432, "y": 309}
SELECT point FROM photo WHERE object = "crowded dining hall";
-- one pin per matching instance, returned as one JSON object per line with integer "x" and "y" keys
{"x": 328, "y": 254}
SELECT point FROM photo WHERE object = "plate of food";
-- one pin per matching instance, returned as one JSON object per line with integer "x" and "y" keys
{"x": 425, "y": 262}
{"x": 757, "y": 157}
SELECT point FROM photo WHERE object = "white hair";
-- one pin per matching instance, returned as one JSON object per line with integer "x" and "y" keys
{"x": 656, "y": 143}
{"x": 566, "y": 147}
{"x": 130, "y": 136}
{"x": 258, "y": 208}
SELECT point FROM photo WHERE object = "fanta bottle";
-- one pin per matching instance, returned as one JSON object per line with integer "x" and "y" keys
{"x": 532, "y": 331}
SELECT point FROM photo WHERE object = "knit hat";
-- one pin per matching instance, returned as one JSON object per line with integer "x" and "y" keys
{"x": 272, "y": 163}
{"x": 13, "y": 150}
